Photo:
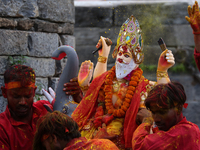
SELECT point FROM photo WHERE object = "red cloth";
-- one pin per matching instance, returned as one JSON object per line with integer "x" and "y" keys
{"x": 183, "y": 136}
{"x": 197, "y": 58}
{"x": 96, "y": 144}
{"x": 16, "y": 135}
{"x": 88, "y": 106}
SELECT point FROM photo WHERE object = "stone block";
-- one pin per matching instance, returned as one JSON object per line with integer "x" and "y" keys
{"x": 57, "y": 10}
{"x": 68, "y": 40}
{"x": 13, "y": 42}
{"x": 1, "y": 84}
{"x": 173, "y": 35}
{"x": 18, "y": 8}
{"x": 42, "y": 44}
{"x": 3, "y": 64}
{"x": 87, "y": 36}
{"x": 152, "y": 14}
{"x": 41, "y": 83}
{"x": 29, "y": 9}
{"x": 8, "y": 23}
{"x": 184, "y": 35}
{"x": 93, "y": 17}
{"x": 85, "y": 53}
{"x": 66, "y": 28}
{"x": 45, "y": 26}
{"x": 190, "y": 85}
{"x": 3, "y": 104}
{"x": 44, "y": 67}
{"x": 111, "y": 33}
{"x": 25, "y": 24}
{"x": 53, "y": 82}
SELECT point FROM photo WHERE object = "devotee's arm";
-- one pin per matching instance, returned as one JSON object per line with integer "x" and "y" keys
{"x": 101, "y": 65}
{"x": 194, "y": 20}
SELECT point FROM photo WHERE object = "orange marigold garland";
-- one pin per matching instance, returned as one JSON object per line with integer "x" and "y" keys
{"x": 136, "y": 75}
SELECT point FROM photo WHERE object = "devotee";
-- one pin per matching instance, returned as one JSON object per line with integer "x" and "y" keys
{"x": 57, "y": 131}
{"x": 18, "y": 121}
{"x": 165, "y": 101}
{"x": 110, "y": 105}
{"x": 194, "y": 20}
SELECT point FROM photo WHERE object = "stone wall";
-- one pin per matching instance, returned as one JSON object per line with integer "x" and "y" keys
{"x": 30, "y": 30}
{"x": 166, "y": 20}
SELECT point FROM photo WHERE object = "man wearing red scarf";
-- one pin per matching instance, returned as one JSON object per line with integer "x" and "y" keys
{"x": 174, "y": 132}
{"x": 109, "y": 108}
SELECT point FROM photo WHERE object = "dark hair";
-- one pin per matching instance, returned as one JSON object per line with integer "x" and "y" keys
{"x": 167, "y": 95}
{"x": 55, "y": 123}
{"x": 22, "y": 73}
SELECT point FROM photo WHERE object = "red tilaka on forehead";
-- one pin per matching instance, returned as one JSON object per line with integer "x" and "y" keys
{"x": 17, "y": 84}
{"x": 125, "y": 49}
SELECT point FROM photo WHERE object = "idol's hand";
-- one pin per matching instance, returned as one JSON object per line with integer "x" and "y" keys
{"x": 166, "y": 61}
{"x": 85, "y": 74}
{"x": 194, "y": 17}
{"x": 50, "y": 96}
{"x": 105, "y": 48}
{"x": 72, "y": 88}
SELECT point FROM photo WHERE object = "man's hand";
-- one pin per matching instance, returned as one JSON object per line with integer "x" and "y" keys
{"x": 144, "y": 115}
{"x": 166, "y": 61}
{"x": 72, "y": 88}
{"x": 194, "y": 17}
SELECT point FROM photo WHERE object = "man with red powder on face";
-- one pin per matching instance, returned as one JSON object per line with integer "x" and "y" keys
{"x": 165, "y": 101}
{"x": 18, "y": 122}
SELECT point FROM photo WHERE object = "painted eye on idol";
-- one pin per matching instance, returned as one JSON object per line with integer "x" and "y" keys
{"x": 120, "y": 53}
{"x": 126, "y": 55}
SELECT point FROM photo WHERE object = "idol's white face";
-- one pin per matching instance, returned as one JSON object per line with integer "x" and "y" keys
{"x": 124, "y": 55}
{"x": 124, "y": 63}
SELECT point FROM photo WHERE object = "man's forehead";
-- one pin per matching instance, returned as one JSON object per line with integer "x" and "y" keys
{"x": 25, "y": 90}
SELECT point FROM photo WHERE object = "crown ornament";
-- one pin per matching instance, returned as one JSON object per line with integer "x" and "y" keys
{"x": 130, "y": 35}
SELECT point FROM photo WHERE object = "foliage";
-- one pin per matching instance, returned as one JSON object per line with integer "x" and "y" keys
{"x": 17, "y": 60}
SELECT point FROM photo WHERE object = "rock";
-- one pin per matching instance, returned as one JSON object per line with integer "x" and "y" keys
{"x": 3, "y": 104}
{"x": 57, "y": 10}
{"x": 13, "y": 42}
{"x": 42, "y": 44}
{"x": 41, "y": 83}
{"x": 3, "y": 64}
{"x": 93, "y": 17}
{"x": 45, "y": 26}
{"x": 7, "y": 23}
{"x": 25, "y": 24}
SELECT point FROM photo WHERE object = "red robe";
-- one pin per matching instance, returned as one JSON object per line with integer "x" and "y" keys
{"x": 15, "y": 135}
{"x": 183, "y": 136}
{"x": 88, "y": 106}
{"x": 197, "y": 58}
{"x": 96, "y": 144}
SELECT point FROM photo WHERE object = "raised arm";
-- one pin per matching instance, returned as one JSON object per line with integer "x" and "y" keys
{"x": 101, "y": 65}
{"x": 165, "y": 62}
{"x": 194, "y": 20}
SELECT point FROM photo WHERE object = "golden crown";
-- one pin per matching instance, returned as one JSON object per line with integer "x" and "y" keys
{"x": 130, "y": 35}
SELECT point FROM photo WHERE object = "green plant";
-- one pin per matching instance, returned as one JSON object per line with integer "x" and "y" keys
{"x": 17, "y": 60}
